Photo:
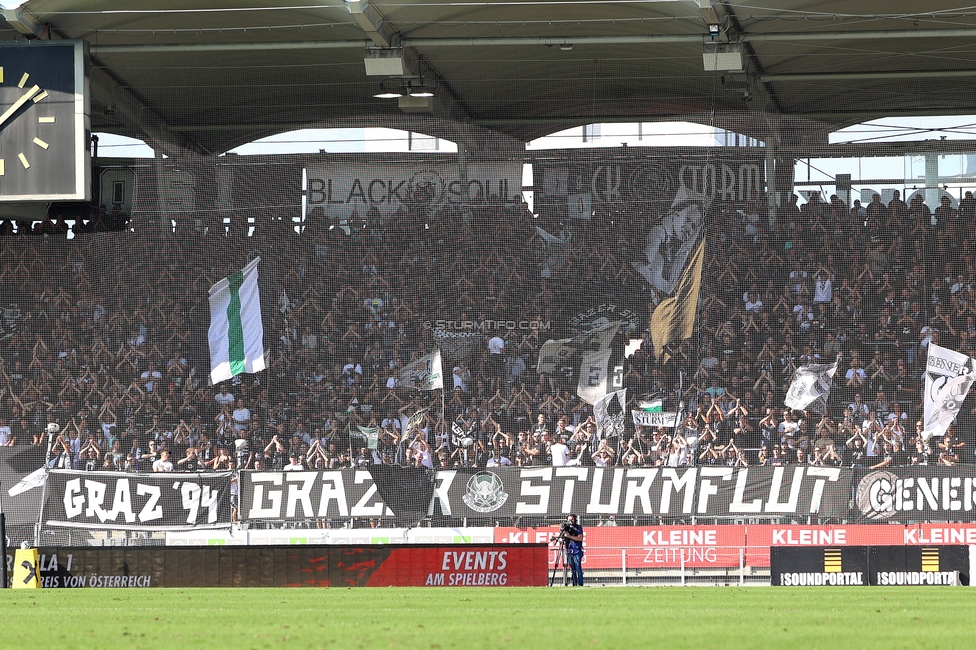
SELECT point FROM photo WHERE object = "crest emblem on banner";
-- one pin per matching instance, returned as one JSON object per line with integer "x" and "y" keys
{"x": 874, "y": 495}
{"x": 485, "y": 492}
{"x": 425, "y": 190}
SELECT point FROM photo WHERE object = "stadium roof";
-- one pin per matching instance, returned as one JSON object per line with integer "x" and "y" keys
{"x": 211, "y": 75}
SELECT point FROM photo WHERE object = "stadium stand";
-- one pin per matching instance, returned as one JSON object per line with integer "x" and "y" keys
{"x": 104, "y": 333}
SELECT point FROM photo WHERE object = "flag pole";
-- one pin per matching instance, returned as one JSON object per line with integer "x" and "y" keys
{"x": 349, "y": 436}
{"x": 443, "y": 425}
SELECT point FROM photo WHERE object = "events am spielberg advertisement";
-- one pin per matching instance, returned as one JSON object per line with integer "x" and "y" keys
{"x": 294, "y": 566}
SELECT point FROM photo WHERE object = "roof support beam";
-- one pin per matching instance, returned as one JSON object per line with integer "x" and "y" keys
{"x": 866, "y": 76}
{"x": 505, "y": 41}
{"x": 24, "y": 22}
{"x": 371, "y": 21}
{"x": 227, "y": 47}
{"x": 851, "y": 117}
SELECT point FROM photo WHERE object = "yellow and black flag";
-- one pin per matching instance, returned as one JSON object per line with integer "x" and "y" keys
{"x": 674, "y": 318}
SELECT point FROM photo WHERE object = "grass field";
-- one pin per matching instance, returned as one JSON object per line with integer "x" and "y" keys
{"x": 703, "y": 617}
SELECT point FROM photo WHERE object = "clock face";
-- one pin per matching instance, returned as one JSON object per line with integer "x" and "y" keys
{"x": 44, "y": 122}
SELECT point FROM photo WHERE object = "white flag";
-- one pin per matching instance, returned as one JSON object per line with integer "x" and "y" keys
{"x": 811, "y": 387}
{"x": 555, "y": 250}
{"x": 552, "y": 239}
{"x": 593, "y": 377}
{"x": 423, "y": 374}
{"x": 35, "y": 479}
{"x": 610, "y": 414}
{"x": 236, "y": 332}
{"x": 948, "y": 377}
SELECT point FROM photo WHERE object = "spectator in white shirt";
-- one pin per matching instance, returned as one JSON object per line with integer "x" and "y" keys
{"x": 242, "y": 416}
{"x": 6, "y": 435}
{"x": 560, "y": 453}
{"x": 163, "y": 464}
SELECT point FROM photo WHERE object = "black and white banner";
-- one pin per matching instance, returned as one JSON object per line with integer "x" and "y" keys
{"x": 573, "y": 189}
{"x": 348, "y": 190}
{"x": 459, "y": 345}
{"x": 594, "y": 378}
{"x": 948, "y": 377}
{"x": 115, "y": 500}
{"x": 426, "y": 373}
{"x": 907, "y": 494}
{"x": 671, "y": 240}
{"x": 112, "y": 500}
{"x": 549, "y": 491}
{"x": 674, "y": 492}
{"x": 331, "y": 494}
{"x": 669, "y": 191}
{"x": 555, "y": 250}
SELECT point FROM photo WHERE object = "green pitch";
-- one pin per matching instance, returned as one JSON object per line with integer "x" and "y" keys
{"x": 672, "y": 617}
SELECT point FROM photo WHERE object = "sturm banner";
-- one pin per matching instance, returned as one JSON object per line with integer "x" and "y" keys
{"x": 948, "y": 377}
{"x": 668, "y": 419}
{"x": 349, "y": 190}
{"x": 556, "y": 353}
{"x": 552, "y": 491}
{"x": 574, "y": 189}
{"x": 112, "y": 500}
{"x": 587, "y": 491}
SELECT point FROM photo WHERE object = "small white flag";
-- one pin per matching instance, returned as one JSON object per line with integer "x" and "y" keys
{"x": 423, "y": 374}
{"x": 236, "y": 331}
{"x": 610, "y": 414}
{"x": 593, "y": 377}
{"x": 811, "y": 387}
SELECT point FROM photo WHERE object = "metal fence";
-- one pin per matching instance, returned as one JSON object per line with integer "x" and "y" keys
{"x": 684, "y": 566}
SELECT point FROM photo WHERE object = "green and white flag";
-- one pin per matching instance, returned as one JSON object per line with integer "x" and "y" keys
{"x": 236, "y": 332}
{"x": 651, "y": 405}
{"x": 368, "y": 437}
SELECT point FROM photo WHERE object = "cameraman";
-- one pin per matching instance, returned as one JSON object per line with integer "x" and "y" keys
{"x": 573, "y": 540}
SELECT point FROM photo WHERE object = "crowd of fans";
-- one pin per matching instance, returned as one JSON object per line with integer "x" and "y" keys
{"x": 105, "y": 334}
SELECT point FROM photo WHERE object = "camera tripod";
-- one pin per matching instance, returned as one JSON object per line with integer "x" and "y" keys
{"x": 559, "y": 542}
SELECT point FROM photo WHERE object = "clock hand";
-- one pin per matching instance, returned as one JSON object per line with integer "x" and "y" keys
{"x": 17, "y": 104}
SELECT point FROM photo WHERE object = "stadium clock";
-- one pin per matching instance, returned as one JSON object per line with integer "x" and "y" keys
{"x": 44, "y": 121}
